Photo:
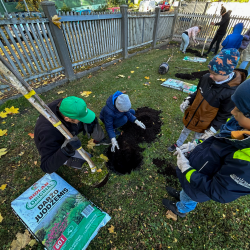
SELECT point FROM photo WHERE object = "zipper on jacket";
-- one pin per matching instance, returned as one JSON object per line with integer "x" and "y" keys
{"x": 203, "y": 166}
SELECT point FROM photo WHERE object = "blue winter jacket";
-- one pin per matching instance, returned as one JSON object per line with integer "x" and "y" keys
{"x": 234, "y": 40}
{"x": 220, "y": 169}
{"x": 110, "y": 113}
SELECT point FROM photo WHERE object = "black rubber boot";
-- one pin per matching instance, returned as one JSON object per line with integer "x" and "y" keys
{"x": 172, "y": 206}
{"x": 174, "y": 193}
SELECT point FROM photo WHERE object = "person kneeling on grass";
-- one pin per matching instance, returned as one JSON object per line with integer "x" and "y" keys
{"x": 53, "y": 148}
{"x": 210, "y": 106}
{"x": 115, "y": 114}
{"x": 188, "y": 34}
{"x": 219, "y": 168}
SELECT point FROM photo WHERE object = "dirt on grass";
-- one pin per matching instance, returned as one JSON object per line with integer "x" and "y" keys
{"x": 192, "y": 76}
{"x": 128, "y": 157}
{"x": 195, "y": 52}
{"x": 164, "y": 167}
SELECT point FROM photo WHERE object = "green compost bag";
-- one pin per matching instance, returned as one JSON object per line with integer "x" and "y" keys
{"x": 58, "y": 215}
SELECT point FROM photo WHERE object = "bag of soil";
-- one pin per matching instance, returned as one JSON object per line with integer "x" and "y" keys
{"x": 58, "y": 215}
{"x": 163, "y": 69}
{"x": 194, "y": 59}
{"x": 180, "y": 85}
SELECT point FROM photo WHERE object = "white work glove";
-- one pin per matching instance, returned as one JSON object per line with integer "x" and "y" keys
{"x": 208, "y": 133}
{"x": 140, "y": 124}
{"x": 182, "y": 161}
{"x": 188, "y": 147}
{"x": 184, "y": 105}
{"x": 114, "y": 144}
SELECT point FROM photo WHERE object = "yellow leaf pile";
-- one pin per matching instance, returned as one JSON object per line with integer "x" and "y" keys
{"x": 3, "y": 151}
{"x": 55, "y": 20}
{"x": 21, "y": 240}
{"x": 3, "y": 132}
{"x": 86, "y": 93}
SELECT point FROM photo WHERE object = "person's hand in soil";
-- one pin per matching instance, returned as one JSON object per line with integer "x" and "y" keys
{"x": 187, "y": 147}
{"x": 140, "y": 124}
{"x": 182, "y": 161}
{"x": 184, "y": 105}
{"x": 114, "y": 145}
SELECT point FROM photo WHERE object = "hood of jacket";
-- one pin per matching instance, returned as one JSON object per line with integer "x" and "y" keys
{"x": 238, "y": 28}
{"x": 111, "y": 102}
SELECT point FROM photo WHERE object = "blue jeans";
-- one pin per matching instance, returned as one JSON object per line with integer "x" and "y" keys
{"x": 122, "y": 120}
{"x": 244, "y": 65}
{"x": 186, "y": 204}
{"x": 185, "y": 42}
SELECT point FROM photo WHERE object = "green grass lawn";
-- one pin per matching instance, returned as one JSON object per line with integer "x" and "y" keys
{"x": 133, "y": 201}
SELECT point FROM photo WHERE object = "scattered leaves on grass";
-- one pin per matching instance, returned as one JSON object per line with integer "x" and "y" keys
{"x": 12, "y": 110}
{"x": 91, "y": 144}
{"x": 111, "y": 229}
{"x": 3, "y": 186}
{"x": 146, "y": 77}
{"x": 132, "y": 72}
{"x": 3, "y": 132}
{"x": 60, "y": 92}
{"x": 31, "y": 135}
{"x": 105, "y": 158}
{"x": 32, "y": 242}
{"x": 21, "y": 240}
{"x": 3, "y": 114}
{"x": 122, "y": 76}
{"x": 3, "y": 151}
{"x": 85, "y": 93}
{"x": 174, "y": 97}
{"x": 1, "y": 218}
{"x": 162, "y": 79}
{"x": 171, "y": 215}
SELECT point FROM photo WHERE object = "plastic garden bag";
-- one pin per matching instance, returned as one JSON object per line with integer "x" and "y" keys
{"x": 180, "y": 85}
{"x": 194, "y": 59}
{"x": 58, "y": 215}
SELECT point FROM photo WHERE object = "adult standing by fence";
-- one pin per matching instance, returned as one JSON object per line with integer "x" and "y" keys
{"x": 245, "y": 55}
{"x": 221, "y": 31}
{"x": 188, "y": 34}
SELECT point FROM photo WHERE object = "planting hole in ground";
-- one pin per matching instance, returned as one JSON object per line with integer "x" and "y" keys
{"x": 165, "y": 168}
{"x": 128, "y": 157}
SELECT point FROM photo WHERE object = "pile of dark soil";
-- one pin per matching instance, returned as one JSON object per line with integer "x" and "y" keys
{"x": 192, "y": 76}
{"x": 195, "y": 52}
{"x": 128, "y": 157}
{"x": 165, "y": 168}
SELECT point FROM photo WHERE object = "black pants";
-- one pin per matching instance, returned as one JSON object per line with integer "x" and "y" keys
{"x": 217, "y": 38}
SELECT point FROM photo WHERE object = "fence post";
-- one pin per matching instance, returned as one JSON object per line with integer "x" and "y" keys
{"x": 174, "y": 22}
{"x": 157, "y": 17}
{"x": 124, "y": 30}
{"x": 57, "y": 34}
{"x": 206, "y": 6}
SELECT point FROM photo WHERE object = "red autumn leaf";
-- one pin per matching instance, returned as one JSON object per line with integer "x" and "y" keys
{"x": 31, "y": 135}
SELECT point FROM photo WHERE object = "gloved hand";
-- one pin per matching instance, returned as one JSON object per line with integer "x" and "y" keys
{"x": 184, "y": 105}
{"x": 196, "y": 43}
{"x": 188, "y": 147}
{"x": 182, "y": 161}
{"x": 140, "y": 124}
{"x": 114, "y": 144}
{"x": 70, "y": 146}
{"x": 208, "y": 133}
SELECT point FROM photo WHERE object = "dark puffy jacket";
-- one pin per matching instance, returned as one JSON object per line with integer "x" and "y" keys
{"x": 211, "y": 104}
{"x": 234, "y": 40}
{"x": 220, "y": 170}
{"x": 110, "y": 113}
{"x": 49, "y": 140}
{"x": 246, "y": 40}
{"x": 223, "y": 24}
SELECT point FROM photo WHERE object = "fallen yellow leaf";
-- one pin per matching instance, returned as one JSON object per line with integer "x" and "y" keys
{"x": 60, "y": 92}
{"x": 171, "y": 215}
{"x": 121, "y": 76}
{"x": 3, "y": 186}
{"x": 86, "y": 93}
{"x": 3, "y": 122}
{"x": 3, "y": 132}
{"x": 35, "y": 162}
{"x": 111, "y": 229}
{"x": 3, "y": 151}
{"x": 3, "y": 114}
{"x": 12, "y": 110}
{"x": 132, "y": 72}
{"x": 1, "y": 218}
{"x": 21, "y": 153}
{"x": 91, "y": 144}
{"x": 31, "y": 135}
{"x": 32, "y": 243}
{"x": 105, "y": 158}
{"x": 99, "y": 170}
{"x": 146, "y": 77}
{"x": 21, "y": 240}
{"x": 137, "y": 67}
{"x": 161, "y": 79}
{"x": 55, "y": 20}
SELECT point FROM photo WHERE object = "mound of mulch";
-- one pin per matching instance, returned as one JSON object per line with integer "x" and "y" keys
{"x": 195, "y": 52}
{"x": 165, "y": 168}
{"x": 192, "y": 76}
{"x": 128, "y": 157}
